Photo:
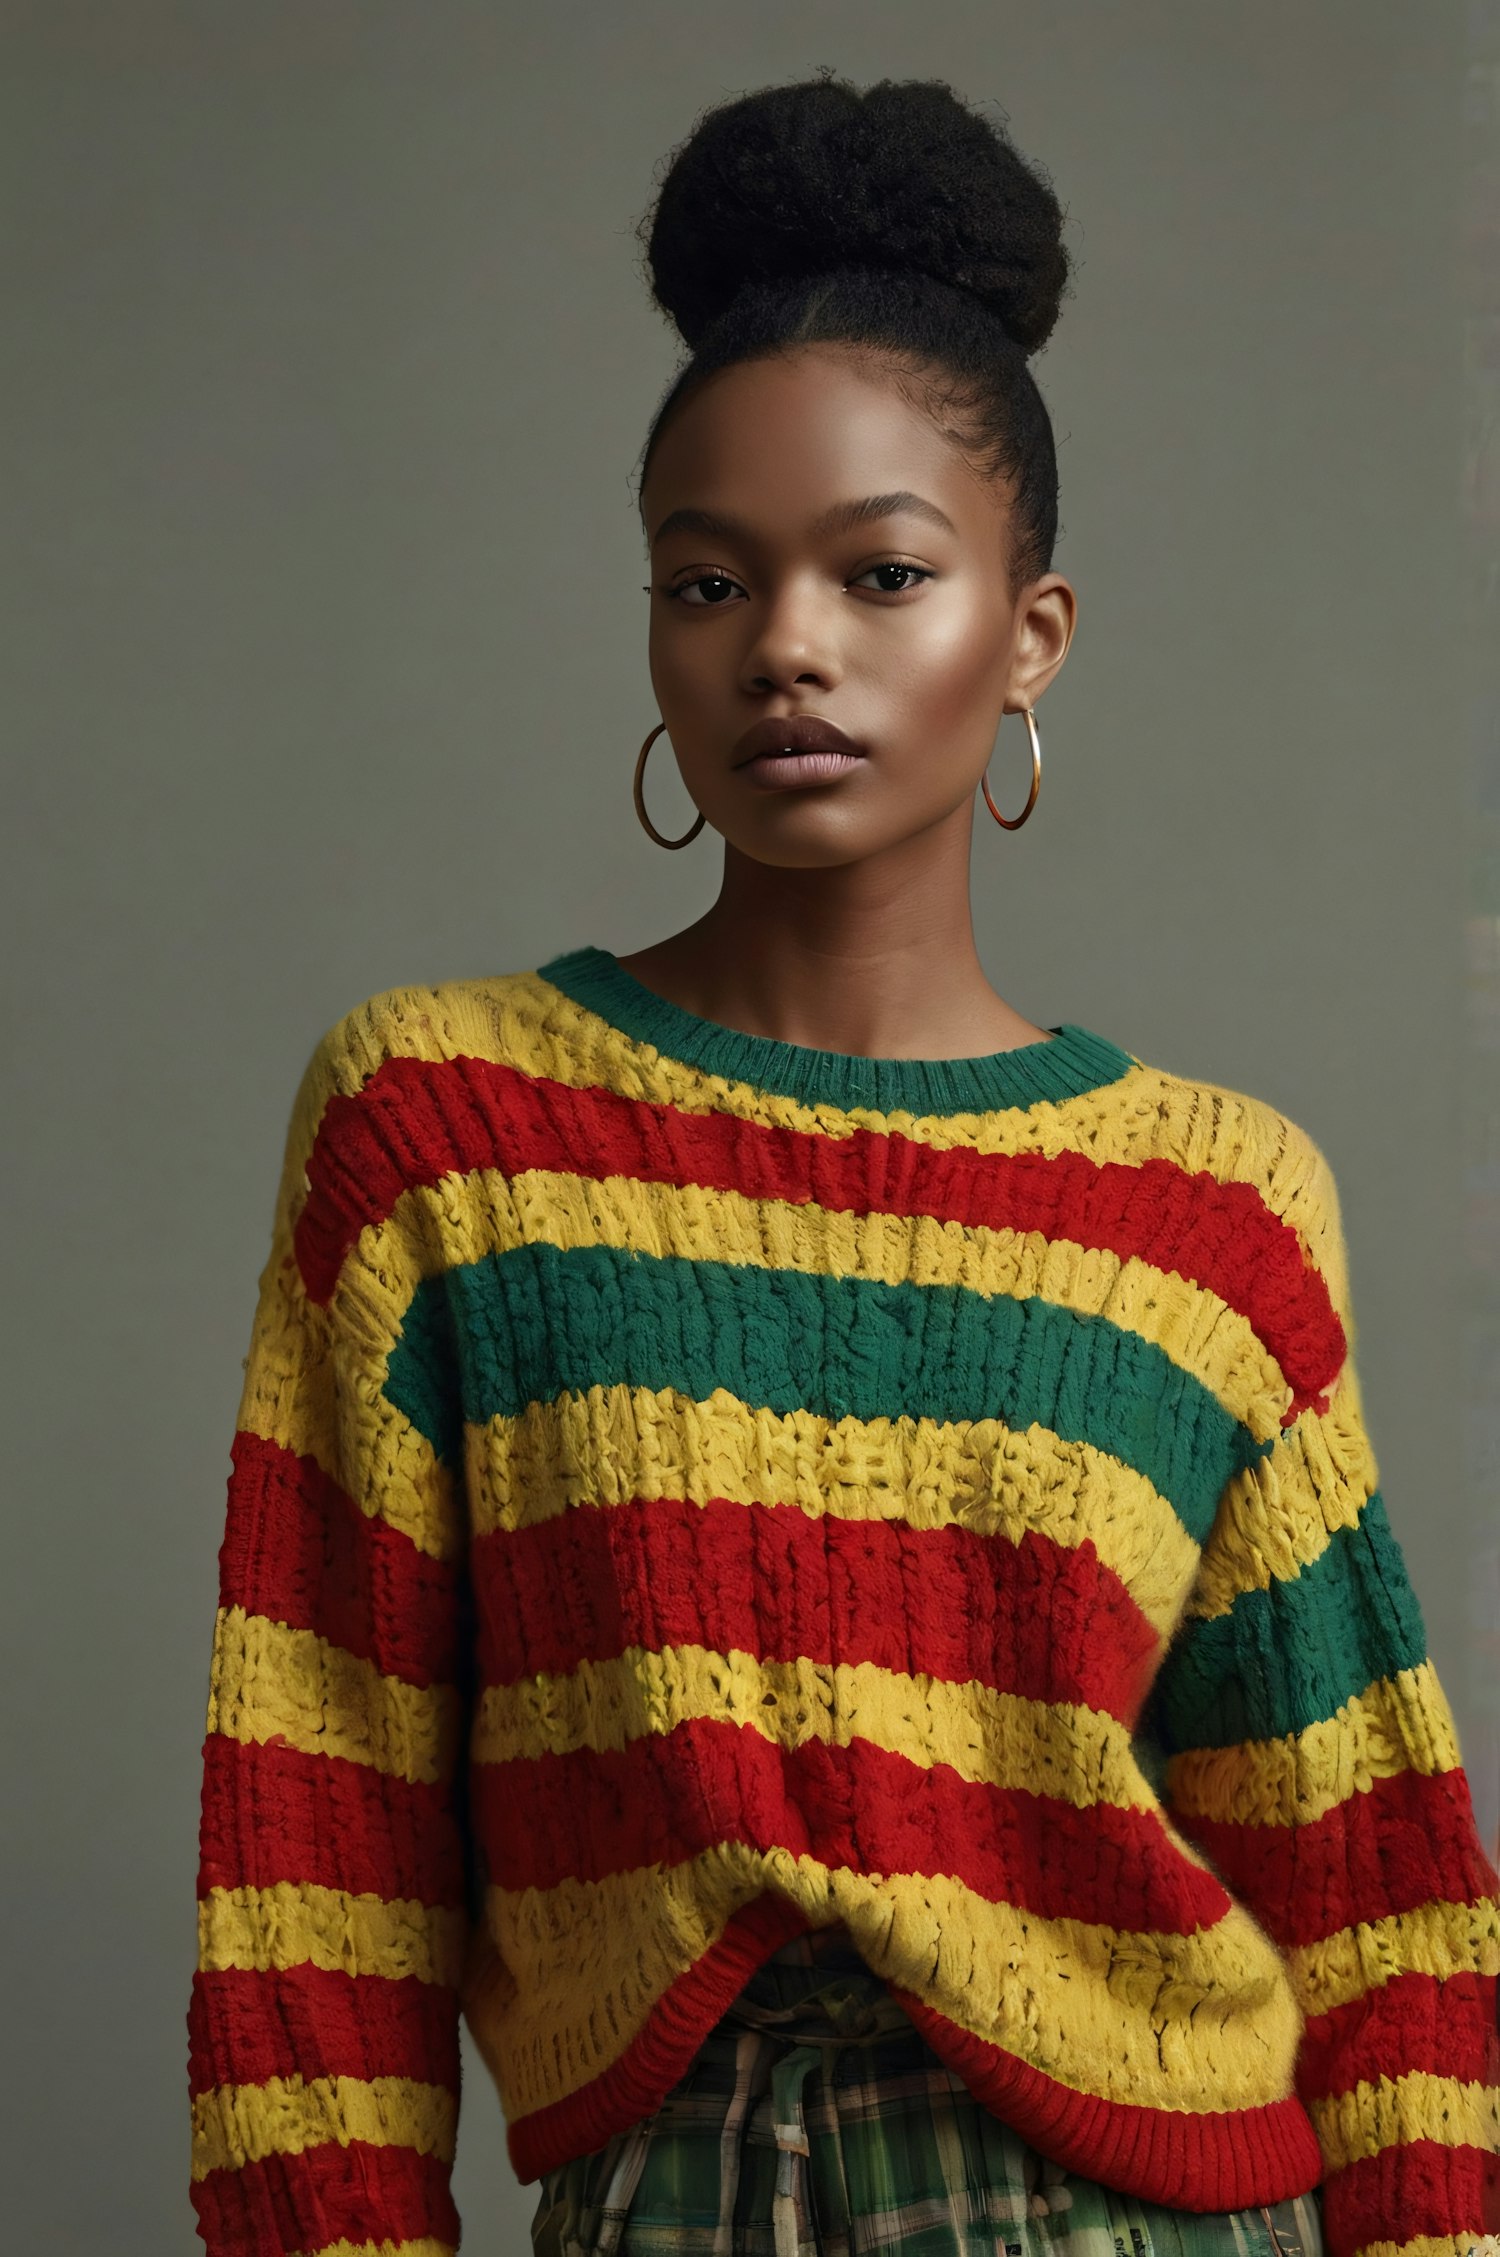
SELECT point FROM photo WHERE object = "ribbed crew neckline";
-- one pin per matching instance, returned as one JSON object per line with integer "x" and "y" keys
{"x": 1074, "y": 1061}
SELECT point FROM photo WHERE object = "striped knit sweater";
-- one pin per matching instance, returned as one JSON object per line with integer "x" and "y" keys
{"x": 690, "y": 1489}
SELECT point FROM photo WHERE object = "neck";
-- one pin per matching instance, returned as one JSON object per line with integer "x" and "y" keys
{"x": 875, "y": 957}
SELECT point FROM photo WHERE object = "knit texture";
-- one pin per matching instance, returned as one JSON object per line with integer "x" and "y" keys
{"x": 689, "y": 1489}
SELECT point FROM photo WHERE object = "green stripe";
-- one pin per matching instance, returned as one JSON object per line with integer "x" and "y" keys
{"x": 1290, "y": 1656}
{"x": 538, "y": 1321}
{"x": 422, "y": 1372}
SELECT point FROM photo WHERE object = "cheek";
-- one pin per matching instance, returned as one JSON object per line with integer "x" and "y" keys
{"x": 694, "y": 679}
{"x": 946, "y": 668}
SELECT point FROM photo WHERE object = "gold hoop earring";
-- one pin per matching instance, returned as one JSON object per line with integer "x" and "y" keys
{"x": 640, "y": 796}
{"x": 1014, "y": 822}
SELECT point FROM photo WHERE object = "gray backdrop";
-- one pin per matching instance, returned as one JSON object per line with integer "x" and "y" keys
{"x": 326, "y": 364}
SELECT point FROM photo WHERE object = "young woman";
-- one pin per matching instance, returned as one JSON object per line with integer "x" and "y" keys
{"x": 800, "y": 1546}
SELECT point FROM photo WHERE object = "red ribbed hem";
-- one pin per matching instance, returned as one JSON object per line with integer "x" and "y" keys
{"x": 652, "y": 2063}
{"x": 1227, "y": 2160}
{"x": 1231, "y": 2159}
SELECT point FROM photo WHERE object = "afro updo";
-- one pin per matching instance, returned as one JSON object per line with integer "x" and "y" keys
{"x": 896, "y": 221}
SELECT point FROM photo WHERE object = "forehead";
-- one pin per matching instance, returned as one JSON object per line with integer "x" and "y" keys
{"x": 779, "y": 444}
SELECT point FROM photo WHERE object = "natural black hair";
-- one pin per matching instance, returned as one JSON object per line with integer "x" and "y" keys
{"x": 897, "y": 222}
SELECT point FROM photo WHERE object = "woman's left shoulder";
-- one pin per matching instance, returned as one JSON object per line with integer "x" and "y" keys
{"x": 1239, "y": 1136}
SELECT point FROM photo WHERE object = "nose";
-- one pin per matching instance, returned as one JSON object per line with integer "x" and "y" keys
{"x": 793, "y": 644}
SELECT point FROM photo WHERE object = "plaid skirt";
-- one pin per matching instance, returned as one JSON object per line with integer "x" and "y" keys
{"x": 815, "y": 2121}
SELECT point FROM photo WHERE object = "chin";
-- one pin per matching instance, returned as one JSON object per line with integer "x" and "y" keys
{"x": 779, "y": 847}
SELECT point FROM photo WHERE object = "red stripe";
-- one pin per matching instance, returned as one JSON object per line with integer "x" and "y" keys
{"x": 245, "y": 2027}
{"x": 1417, "y": 2188}
{"x": 271, "y": 1813}
{"x": 298, "y": 1549}
{"x": 1446, "y": 2027}
{"x": 331, "y": 2193}
{"x": 669, "y": 1796}
{"x": 1047, "y": 1621}
{"x": 1224, "y": 2160}
{"x": 416, "y": 1120}
{"x": 1401, "y": 1842}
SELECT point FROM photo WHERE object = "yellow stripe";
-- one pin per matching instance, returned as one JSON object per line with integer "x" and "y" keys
{"x": 1231, "y": 1135}
{"x": 269, "y": 1682}
{"x": 1436, "y": 2245}
{"x": 999, "y": 1739}
{"x": 1202, "y": 2022}
{"x": 423, "y": 2248}
{"x": 240, "y": 2124}
{"x": 486, "y": 1213}
{"x": 1297, "y": 1183}
{"x": 1437, "y": 1939}
{"x": 542, "y": 1031}
{"x": 296, "y": 1924}
{"x": 1392, "y": 2110}
{"x": 610, "y": 1443}
{"x": 522, "y": 1020}
{"x": 1400, "y": 1723}
{"x": 1280, "y": 1514}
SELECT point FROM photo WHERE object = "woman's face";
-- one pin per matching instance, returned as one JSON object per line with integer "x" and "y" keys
{"x": 771, "y": 598}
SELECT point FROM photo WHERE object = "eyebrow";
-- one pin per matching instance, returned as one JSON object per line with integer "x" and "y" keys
{"x": 842, "y": 518}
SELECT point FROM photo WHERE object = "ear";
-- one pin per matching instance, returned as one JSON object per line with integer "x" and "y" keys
{"x": 1046, "y": 617}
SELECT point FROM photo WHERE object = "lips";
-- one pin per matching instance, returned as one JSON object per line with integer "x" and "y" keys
{"x": 799, "y": 732}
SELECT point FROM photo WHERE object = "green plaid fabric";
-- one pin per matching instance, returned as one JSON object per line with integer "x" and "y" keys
{"x": 815, "y": 2121}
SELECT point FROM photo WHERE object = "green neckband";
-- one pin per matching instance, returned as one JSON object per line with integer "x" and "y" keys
{"x": 1074, "y": 1060}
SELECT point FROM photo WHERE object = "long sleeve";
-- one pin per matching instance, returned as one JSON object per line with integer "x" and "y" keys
{"x": 1311, "y": 1756}
{"x": 332, "y": 1917}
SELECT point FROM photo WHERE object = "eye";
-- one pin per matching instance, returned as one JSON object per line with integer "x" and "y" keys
{"x": 719, "y": 581}
{"x": 916, "y": 573}
{"x": 718, "y": 586}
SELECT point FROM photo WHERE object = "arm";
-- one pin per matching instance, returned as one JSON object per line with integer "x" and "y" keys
{"x": 323, "y": 2022}
{"x": 1311, "y": 1755}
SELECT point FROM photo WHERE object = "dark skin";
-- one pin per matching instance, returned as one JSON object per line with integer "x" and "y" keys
{"x": 843, "y": 918}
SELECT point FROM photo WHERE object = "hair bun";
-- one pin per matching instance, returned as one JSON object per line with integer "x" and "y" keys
{"x": 796, "y": 180}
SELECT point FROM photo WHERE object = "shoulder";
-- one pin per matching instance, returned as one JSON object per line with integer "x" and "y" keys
{"x": 1272, "y": 1218}
{"x": 385, "y": 1105}
{"x": 458, "y": 1018}
{"x": 1241, "y": 1138}
{"x": 380, "y": 1039}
